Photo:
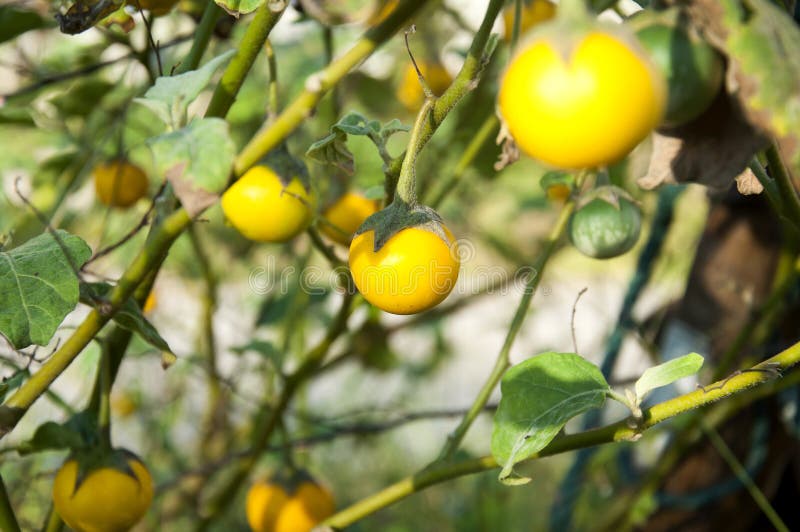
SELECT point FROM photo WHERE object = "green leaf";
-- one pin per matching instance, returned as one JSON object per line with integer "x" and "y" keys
{"x": 236, "y": 7}
{"x": 12, "y": 382}
{"x": 129, "y": 316}
{"x": 539, "y": 396}
{"x": 197, "y": 161}
{"x": 333, "y": 150}
{"x": 15, "y": 21}
{"x": 762, "y": 43}
{"x": 171, "y": 95}
{"x": 82, "y": 98}
{"x": 667, "y": 373}
{"x": 38, "y": 286}
{"x": 16, "y": 115}
{"x": 79, "y": 432}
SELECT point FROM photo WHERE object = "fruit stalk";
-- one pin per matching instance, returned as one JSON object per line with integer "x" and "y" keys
{"x": 237, "y": 70}
{"x": 202, "y": 36}
{"x": 477, "y": 57}
{"x": 502, "y": 362}
{"x": 407, "y": 184}
{"x": 319, "y": 84}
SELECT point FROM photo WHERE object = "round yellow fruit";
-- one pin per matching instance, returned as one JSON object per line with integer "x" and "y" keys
{"x": 346, "y": 215}
{"x": 271, "y": 509}
{"x": 262, "y": 208}
{"x": 586, "y": 109}
{"x": 107, "y": 500}
{"x": 119, "y": 183}
{"x": 414, "y": 271}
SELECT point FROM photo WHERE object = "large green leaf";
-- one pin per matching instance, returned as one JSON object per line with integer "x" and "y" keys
{"x": 171, "y": 95}
{"x": 762, "y": 42}
{"x": 39, "y": 287}
{"x": 539, "y": 396}
{"x": 197, "y": 160}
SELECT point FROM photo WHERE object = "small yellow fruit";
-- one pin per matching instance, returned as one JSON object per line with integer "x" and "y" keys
{"x": 346, "y": 215}
{"x": 123, "y": 405}
{"x": 262, "y": 208}
{"x": 271, "y": 509}
{"x": 107, "y": 500}
{"x": 533, "y": 12}
{"x": 415, "y": 270}
{"x": 410, "y": 92}
{"x": 119, "y": 183}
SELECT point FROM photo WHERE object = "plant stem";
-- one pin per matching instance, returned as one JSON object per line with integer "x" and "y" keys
{"x": 741, "y": 473}
{"x": 202, "y": 36}
{"x": 8, "y": 521}
{"x": 272, "y": 102}
{"x": 318, "y": 84}
{"x": 789, "y": 198}
{"x": 53, "y": 522}
{"x": 407, "y": 184}
{"x": 480, "y": 138}
{"x": 223, "y": 496}
{"x": 104, "y": 412}
{"x": 466, "y": 80}
{"x": 237, "y": 70}
{"x": 770, "y": 188}
{"x": 13, "y": 410}
{"x": 503, "y": 363}
{"x": 761, "y": 374}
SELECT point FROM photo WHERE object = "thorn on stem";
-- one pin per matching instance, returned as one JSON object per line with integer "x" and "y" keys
{"x": 425, "y": 87}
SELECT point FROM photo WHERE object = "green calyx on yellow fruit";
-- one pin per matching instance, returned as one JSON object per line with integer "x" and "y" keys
{"x": 294, "y": 503}
{"x": 403, "y": 259}
{"x": 580, "y": 94}
{"x": 694, "y": 70}
{"x": 606, "y": 224}
{"x": 102, "y": 492}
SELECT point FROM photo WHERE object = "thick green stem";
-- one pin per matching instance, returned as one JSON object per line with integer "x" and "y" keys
{"x": 464, "y": 82}
{"x": 407, "y": 184}
{"x": 320, "y": 83}
{"x": 13, "y": 410}
{"x": 502, "y": 363}
{"x": 8, "y": 521}
{"x": 104, "y": 412}
{"x": 227, "y": 492}
{"x": 237, "y": 70}
{"x": 762, "y": 374}
{"x": 202, "y": 36}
